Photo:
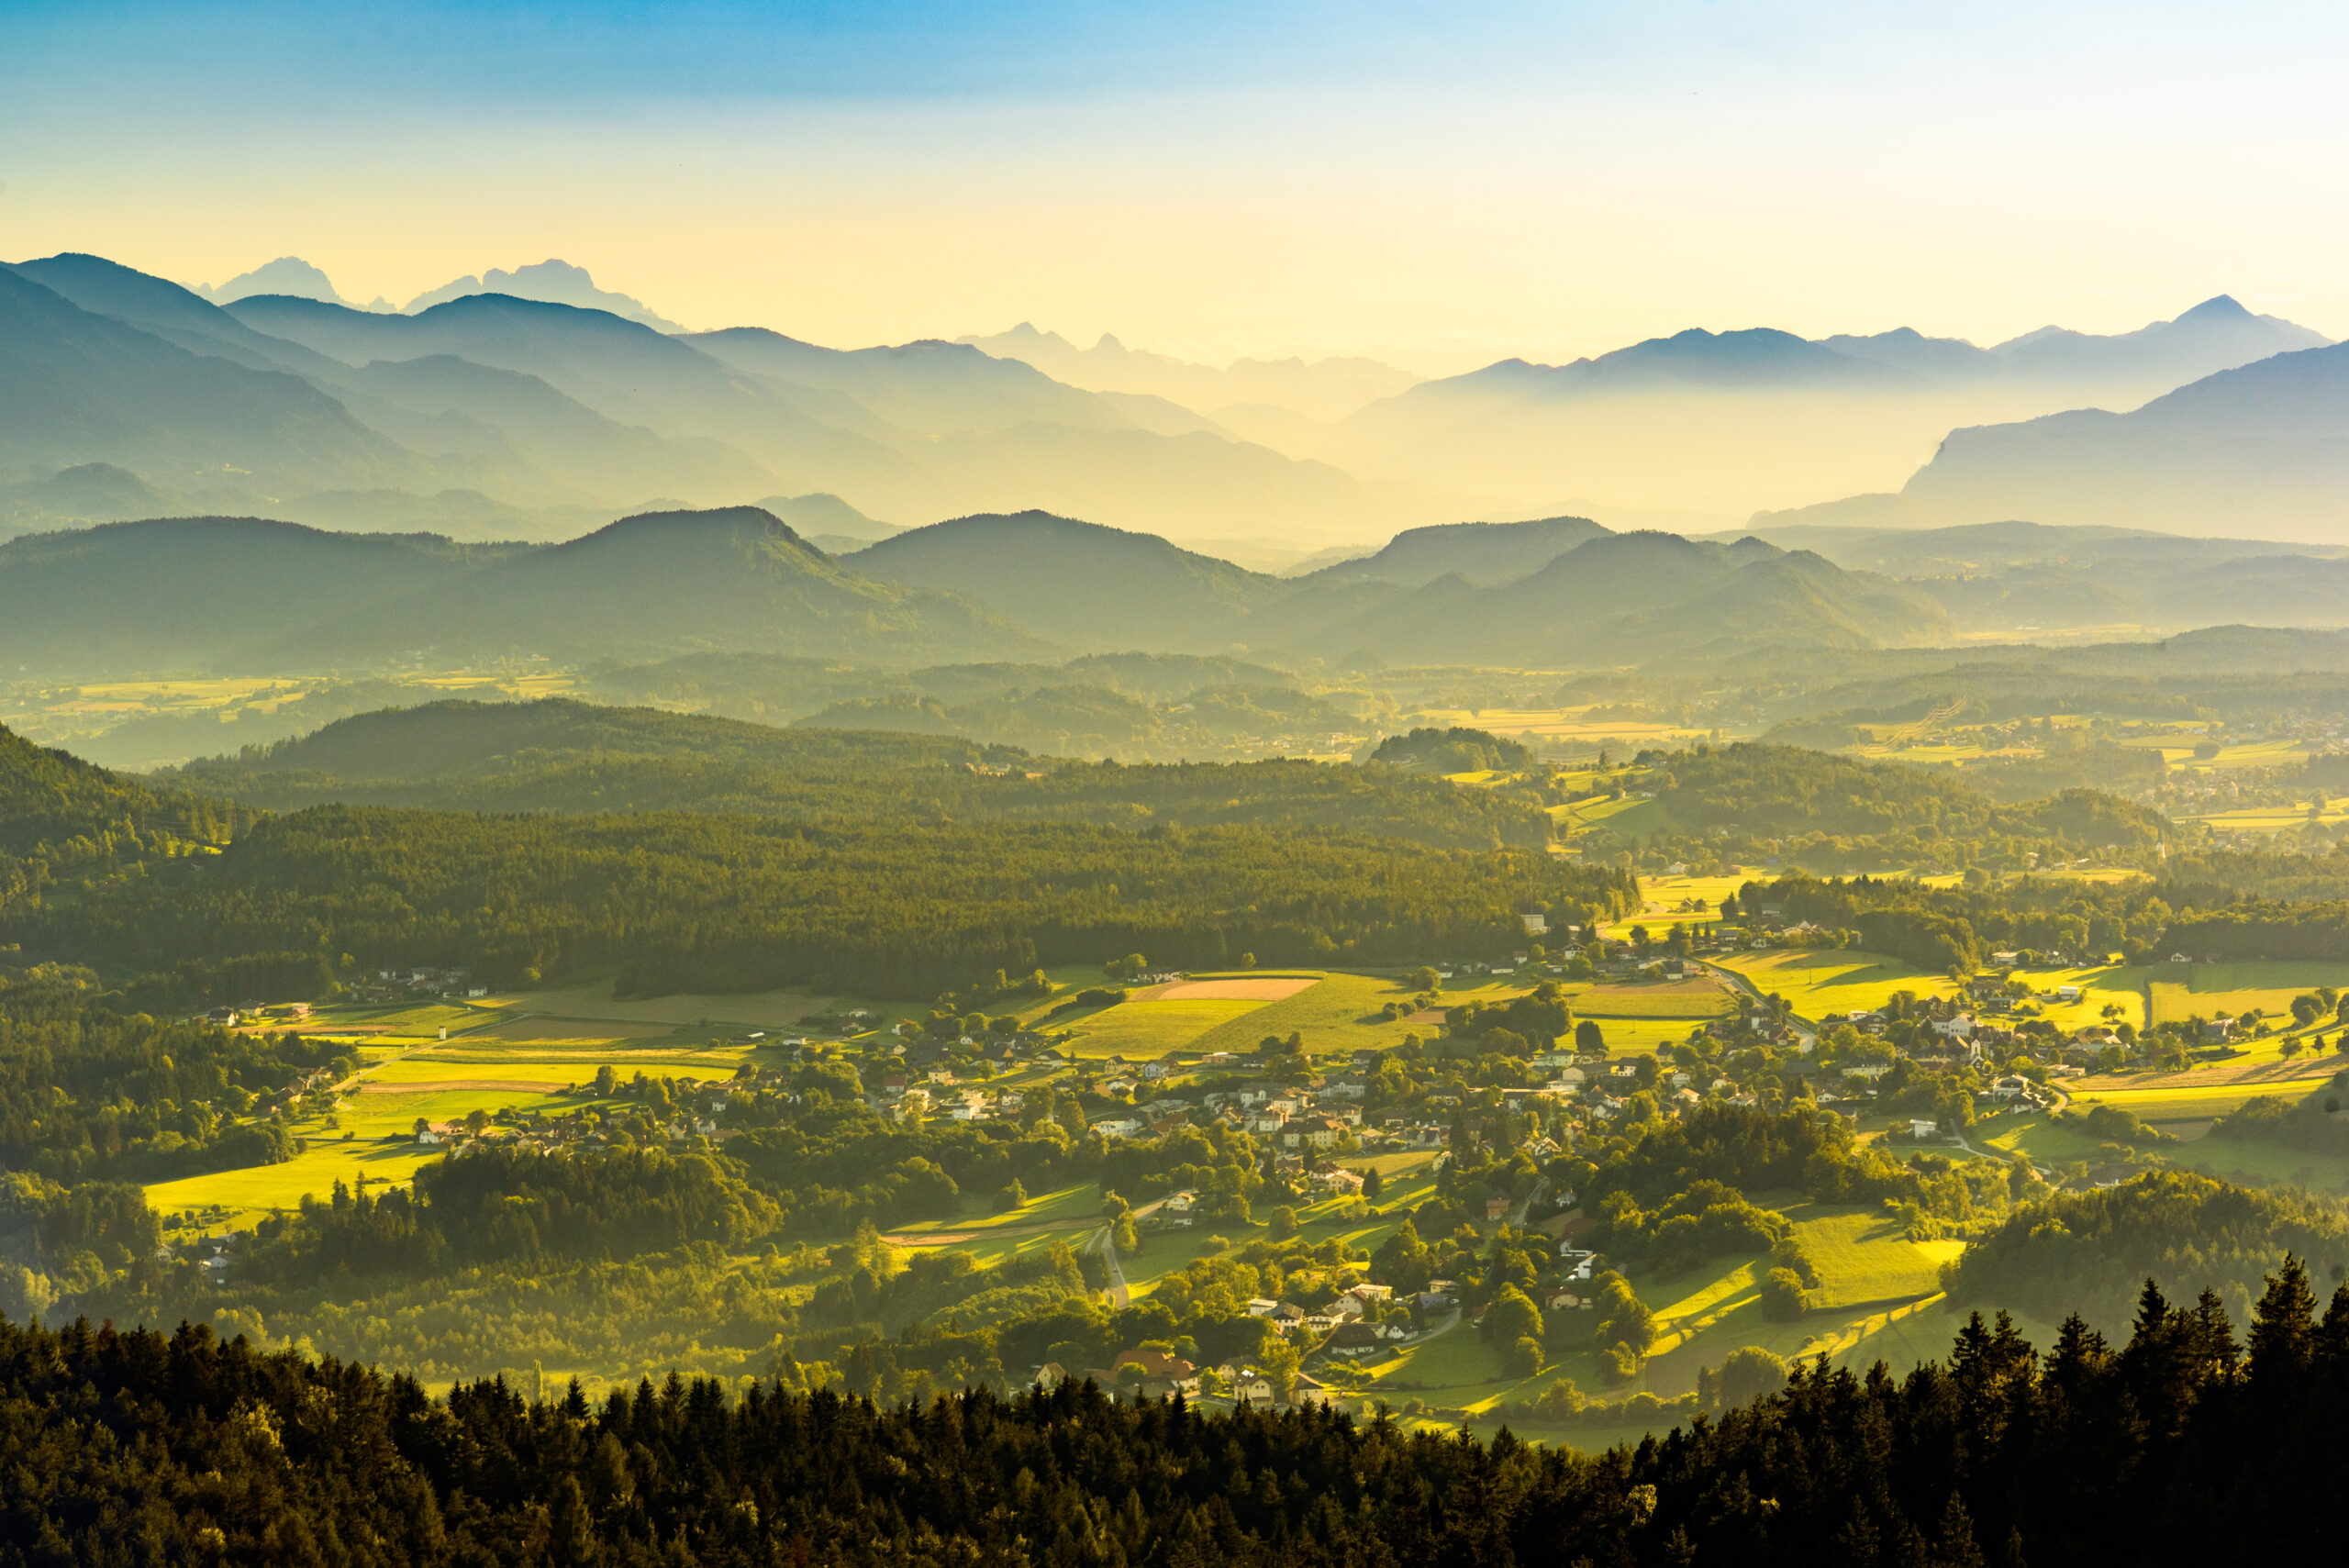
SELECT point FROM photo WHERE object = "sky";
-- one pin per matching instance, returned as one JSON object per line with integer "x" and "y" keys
{"x": 1436, "y": 186}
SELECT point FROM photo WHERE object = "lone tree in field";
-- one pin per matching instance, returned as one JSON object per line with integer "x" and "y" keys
{"x": 1783, "y": 1299}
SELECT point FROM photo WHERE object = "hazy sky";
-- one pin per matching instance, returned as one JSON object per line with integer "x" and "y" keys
{"x": 1437, "y": 184}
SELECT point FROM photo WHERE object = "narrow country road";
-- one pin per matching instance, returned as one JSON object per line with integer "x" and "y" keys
{"x": 1120, "y": 1295}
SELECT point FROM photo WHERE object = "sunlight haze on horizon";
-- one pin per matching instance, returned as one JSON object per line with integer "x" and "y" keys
{"x": 1437, "y": 191}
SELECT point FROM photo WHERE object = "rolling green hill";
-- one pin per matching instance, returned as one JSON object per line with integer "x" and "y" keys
{"x": 736, "y": 577}
{"x": 154, "y": 597}
{"x": 126, "y": 597}
{"x": 561, "y": 755}
{"x": 1488, "y": 553}
{"x": 1079, "y": 581}
{"x": 1621, "y": 596}
{"x": 62, "y": 817}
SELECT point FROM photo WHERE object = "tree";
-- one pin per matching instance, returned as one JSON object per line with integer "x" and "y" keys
{"x": 1524, "y": 1358}
{"x": 1401, "y": 1261}
{"x": 1424, "y": 978}
{"x": 1114, "y": 1208}
{"x": 1011, "y": 1196}
{"x": 1623, "y": 1319}
{"x": 1783, "y": 1299}
{"x": 1588, "y": 1039}
{"x": 1279, "y": 1364}
{"x": 1373, "y": 1184}
{"x": 1748, "y": 1374}
{"x": 1510, "y": 1317}
{"x": 1283, "y": 1223}
{"x": 572, "y": 1539}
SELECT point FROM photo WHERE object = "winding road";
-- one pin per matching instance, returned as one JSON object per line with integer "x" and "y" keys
{"x": 1120, "y": 1294}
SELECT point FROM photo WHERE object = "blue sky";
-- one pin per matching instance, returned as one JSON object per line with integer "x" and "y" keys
{"x": 1439, "y": 185}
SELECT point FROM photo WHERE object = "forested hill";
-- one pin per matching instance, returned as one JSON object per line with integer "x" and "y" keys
{"x": 1753, "y": 802}
{"x": 59, "y": 813}
{"x": 2187, "y": 1446}
{"x": 1752, "y": 785}
{"x": 47, "y": 795}
{"x": 692, "y": 902}
{"x": 566, "y": 756}
{"x": 136, "y": 597}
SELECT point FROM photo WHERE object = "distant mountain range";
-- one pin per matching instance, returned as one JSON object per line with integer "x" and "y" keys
{"x": 129, "y": 596}
{"x": 2025, "y": 579}
{"x": 480, "y": 414}
{"x": 2261, "y": 450}
{"x": 132, "y": 598}
{"x": 287, "y": 275}
{"x": 1315, "y": 390}
{"x": 1727, "y": 420}
{"x": 554, "y": 282}
{"x": 492, "y": 416}
{"x": 1006, "y": 599}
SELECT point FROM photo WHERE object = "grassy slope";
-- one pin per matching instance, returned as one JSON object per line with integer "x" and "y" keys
{"x": 1823, "y": 980}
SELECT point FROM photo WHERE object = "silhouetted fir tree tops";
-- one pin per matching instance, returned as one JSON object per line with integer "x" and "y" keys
{"x": 2187, "y": 1445}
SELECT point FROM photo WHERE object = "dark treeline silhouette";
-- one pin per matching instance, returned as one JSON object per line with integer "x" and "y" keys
{"x": 2187, "y": 1445}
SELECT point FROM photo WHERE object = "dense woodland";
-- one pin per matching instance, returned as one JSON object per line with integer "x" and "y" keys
{"x": 677, "y": 901}
{"x": 1752, "y": 802}
{"x": 567, "y": 756}
{"x": 2145, "y": 921}
{"x": 2087, "y": 1252}
{"x": 891, "y": 880}
{"x": 2189, "y": 1444}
